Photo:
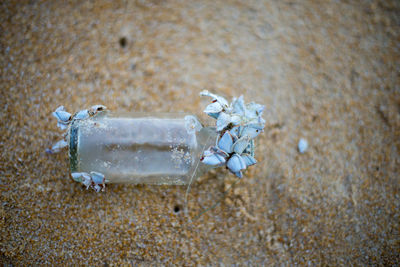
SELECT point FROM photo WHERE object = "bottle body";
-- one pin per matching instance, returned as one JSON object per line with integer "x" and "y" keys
{"x": 140, "y": 148}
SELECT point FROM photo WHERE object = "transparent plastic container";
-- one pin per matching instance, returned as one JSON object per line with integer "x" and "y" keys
{"x": 140, "y": 148}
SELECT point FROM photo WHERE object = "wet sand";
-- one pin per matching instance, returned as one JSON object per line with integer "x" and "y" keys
{"x": 327, "y": 72}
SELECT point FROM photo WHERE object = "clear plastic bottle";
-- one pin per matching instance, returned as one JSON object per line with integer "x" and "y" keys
{"x": 140, "y": 148}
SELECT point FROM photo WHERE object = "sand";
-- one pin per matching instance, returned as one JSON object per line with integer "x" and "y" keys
{"x": 327, "y": 72}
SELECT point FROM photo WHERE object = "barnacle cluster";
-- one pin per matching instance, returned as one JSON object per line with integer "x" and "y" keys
{"x": 237, "y": 124}
{"x": 65, "y": 118}
{"x": 94, "y": 180}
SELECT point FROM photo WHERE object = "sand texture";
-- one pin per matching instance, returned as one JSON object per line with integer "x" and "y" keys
{"x": 327, "y": 71}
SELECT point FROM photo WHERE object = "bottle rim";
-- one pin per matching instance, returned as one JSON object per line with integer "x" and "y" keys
{"x": 73, "y": 146}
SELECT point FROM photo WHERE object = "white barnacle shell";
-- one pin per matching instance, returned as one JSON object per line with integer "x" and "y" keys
{"x": 61, "y": 115}
{"x": 252, "y": 131}
{"x": 240, "y": 145}
{"x": 94, "y": 180}
{"x": 60, "y": 108}
{"x": 96, "y": 108}
{"x": 226, "y": 142}
{"x": 218, "y": 105}
{"x": 254, "y": 110}
{"x": 236, "y": 132}
{"x": 236, "y": 119}
{"x": 87, "y": 179}
{"x": 236, "y": 163}
{"x": 238, "y": 106}
{"x": 82, "y": 114}
{"x": 58, "y": 146}
{"x": 97, "y": 177}
{"x": 192, "y": 125}
{"x": 222, "y": 101}
{"x": 77, "y": 176}
{"x": 248, "y": 159}
{"x": 213, "y": 108}
{"x": 223, "y": 121}
{"x": 82, "y": 177}
{"x": 211, "y": 157}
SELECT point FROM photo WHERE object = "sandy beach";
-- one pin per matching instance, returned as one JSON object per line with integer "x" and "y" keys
{"x": 326, "y": 71}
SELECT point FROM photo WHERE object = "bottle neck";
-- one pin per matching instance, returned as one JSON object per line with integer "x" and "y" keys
{"x": 207, "y": 137}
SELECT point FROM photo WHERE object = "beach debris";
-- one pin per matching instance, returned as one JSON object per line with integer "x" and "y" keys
{"x": 302, "y": 145}
{"x": 237, "y": 124}
{"x": 65, "y": 118}
{"x": 94, "y": 180}
{"x": 58, "y": 146}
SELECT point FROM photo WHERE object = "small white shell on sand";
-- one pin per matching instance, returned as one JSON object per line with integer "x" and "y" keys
{"x": 302, "y": 145}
